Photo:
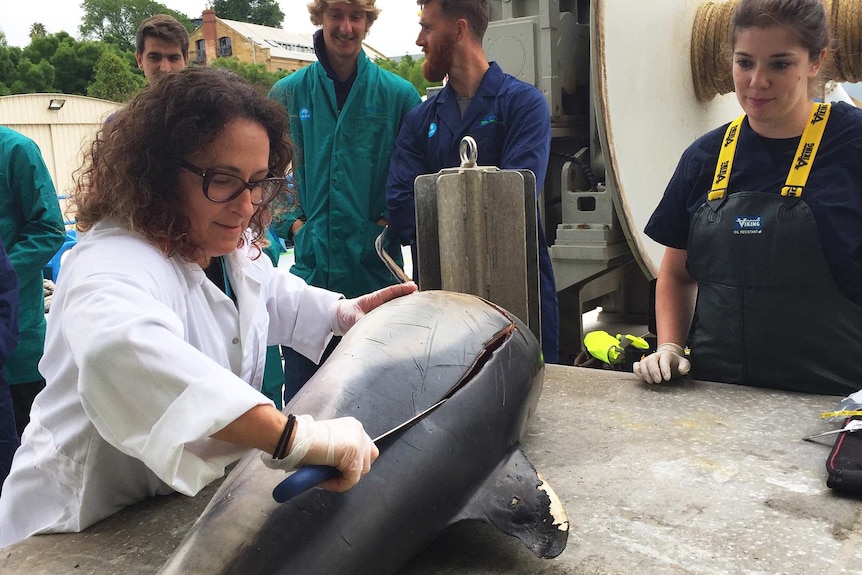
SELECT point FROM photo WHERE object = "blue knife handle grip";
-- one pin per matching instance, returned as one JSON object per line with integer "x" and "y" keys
{"x": 301, "y": 480}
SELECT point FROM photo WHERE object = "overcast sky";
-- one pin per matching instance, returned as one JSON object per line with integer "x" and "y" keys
{"x": 394, "y": 33}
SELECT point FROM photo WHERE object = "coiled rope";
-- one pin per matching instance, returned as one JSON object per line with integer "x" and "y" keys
{"x": 711, "y": 50}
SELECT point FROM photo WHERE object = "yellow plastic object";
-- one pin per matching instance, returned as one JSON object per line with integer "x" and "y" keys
{"x": 604, "y": 347}
{"x": 842, "y": 413}
{"x": 612, "y": 349}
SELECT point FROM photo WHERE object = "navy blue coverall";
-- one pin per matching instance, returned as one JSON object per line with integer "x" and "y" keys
{"x": 510, "y": 121}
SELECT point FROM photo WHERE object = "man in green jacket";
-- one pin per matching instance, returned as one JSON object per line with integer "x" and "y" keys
{"x": 345, "y": 113}
{"x": 31, "y": 228}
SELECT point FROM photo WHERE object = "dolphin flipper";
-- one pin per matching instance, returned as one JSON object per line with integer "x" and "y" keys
{"x": 517, "y": 501}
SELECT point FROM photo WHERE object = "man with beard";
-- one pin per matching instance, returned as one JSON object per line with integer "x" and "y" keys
{"x": 345, "y": 113}
{"x": 509, "y": 120}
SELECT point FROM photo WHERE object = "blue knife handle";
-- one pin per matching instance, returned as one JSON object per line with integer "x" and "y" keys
{"x": 301, "y": 480}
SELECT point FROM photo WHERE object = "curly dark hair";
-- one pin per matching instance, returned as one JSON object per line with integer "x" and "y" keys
{"x": 130, "y": 171}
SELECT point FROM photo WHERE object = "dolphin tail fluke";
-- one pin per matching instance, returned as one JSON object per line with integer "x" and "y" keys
{"x": 519, "y": 502}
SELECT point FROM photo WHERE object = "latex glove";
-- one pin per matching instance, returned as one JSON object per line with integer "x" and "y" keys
{"x": 341, "y": 443}
{"x": 666, "y": 363}
{"x": 347, "y": 312}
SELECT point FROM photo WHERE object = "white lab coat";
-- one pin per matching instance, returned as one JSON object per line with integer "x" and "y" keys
{"x": 145, "y": 359}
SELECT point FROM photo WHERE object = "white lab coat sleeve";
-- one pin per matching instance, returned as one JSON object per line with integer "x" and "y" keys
{"x": 148, "y": 392}
{"x": 835, "y": 93}
{"x": 299, "y": 314}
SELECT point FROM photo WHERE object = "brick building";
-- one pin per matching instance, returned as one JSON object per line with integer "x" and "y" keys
{"x": 279, "y": 50}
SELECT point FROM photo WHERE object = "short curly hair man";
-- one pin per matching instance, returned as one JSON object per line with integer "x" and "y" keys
{"x": 317, "y": 7}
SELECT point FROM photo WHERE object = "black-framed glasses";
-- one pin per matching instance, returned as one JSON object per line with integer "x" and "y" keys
{"x": 222, "y": 187}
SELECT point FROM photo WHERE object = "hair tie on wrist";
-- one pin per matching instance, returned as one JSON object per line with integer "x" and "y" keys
{"x": 283, "y": 441}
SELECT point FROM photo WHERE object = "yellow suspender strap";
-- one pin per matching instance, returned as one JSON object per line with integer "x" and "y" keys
{"x": 725, "y": 160}
{"x": 799, "y": 171}
{"x": 807, "y": 150}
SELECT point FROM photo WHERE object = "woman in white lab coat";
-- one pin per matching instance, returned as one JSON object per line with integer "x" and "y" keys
{"x": 159, "y": 326}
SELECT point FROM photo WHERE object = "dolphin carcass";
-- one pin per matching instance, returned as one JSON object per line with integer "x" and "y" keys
{"x": 461, "y": 461}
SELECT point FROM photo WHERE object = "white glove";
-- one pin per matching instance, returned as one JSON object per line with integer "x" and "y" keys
{"x": 346, "y": 312}
{"x": 340, "y": 443}
{"x": 666, "y": 363}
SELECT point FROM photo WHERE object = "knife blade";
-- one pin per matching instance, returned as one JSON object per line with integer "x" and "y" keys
{"x": 309, "y": 476}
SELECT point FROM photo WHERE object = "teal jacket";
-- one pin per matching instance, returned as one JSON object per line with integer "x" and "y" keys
{"x": 341, "y": 166}
{"x": 31, "y": 227}
{"x": 273, "y": 372}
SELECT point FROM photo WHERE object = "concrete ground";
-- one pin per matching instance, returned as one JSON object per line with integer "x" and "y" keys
{"x": 689, "y": 478}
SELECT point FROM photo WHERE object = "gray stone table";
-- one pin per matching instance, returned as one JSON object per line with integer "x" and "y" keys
{"x": 688, "y": 478}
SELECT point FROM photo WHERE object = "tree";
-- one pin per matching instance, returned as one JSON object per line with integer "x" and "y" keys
{"x": 263, "y": 12}
{"x": 267, "y": 13}
{"x": 10, "y": 56}
{"x": 33, "y": 77}
{"x": 37, "y": 30}
{"x": 116, "y": 21}
{"x": 255, "y": 74}
{"x": 42, "y": 48}
{"x": 409, "y": 69}
{"x": 75, "y": 63}
{"x": 59, "y": 63}
{"x": 115, "y": 79}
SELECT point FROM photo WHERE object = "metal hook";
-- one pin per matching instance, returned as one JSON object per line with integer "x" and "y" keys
{"x": 469, "y": 152}
{"x": 387, "y": 259}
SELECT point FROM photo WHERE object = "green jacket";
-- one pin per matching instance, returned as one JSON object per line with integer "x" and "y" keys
{"x": 31, "y": 227}
{"x": 341, "y": 166}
